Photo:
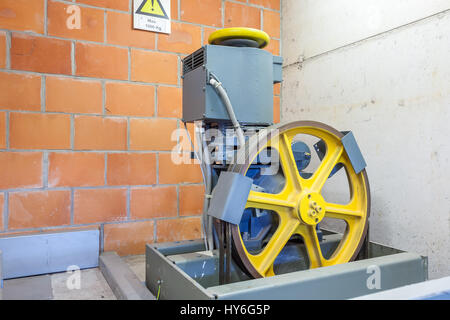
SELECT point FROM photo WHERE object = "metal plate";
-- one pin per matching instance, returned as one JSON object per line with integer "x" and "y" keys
{"x": 230, "y": 197}
{"x": 49, "y": 252}
{"x": 353, "y": 152}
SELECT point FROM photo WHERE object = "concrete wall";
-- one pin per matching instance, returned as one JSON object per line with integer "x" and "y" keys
{"x": 382, "y": 70}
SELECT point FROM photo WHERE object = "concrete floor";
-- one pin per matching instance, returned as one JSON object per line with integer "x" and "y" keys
{"x": 93, "y": 285}
{"x": 137, "y": 264}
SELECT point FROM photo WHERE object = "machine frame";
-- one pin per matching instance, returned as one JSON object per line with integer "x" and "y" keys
{"x": 184, "y": 271}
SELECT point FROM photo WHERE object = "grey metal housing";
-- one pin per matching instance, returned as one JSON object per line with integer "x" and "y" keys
{"x": 230, "y": 197}
{"x": 247, "y": 74}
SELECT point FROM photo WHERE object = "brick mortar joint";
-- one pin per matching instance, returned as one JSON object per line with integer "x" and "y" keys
{"x": 84, "y": 78}
{"x": 130, "y": 8}
{"x": 84, "y": 5}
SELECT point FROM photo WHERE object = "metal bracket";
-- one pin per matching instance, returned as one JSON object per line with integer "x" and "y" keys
{"x": 351, "y": 148}
{"x": 353, "y": 152}
{"x": 230, "y": 197}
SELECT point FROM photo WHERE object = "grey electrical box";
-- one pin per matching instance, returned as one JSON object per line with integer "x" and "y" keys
{"x": 247, "y": 74}
{"x": 230, "y": 197}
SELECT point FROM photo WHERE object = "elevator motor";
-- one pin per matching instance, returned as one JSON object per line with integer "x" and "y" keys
{"x": 267, "y": 185}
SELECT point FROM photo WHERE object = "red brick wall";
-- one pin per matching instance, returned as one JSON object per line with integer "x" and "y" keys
{"x": 86, "y": 117}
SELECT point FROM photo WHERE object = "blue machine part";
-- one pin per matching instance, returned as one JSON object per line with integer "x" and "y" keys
{"x": 302, "y": 156}
{"x": 256, "y": 224}
{"x": 255, "y": 228}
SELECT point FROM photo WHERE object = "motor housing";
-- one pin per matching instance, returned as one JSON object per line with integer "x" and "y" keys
{"x": 246, "y": 73}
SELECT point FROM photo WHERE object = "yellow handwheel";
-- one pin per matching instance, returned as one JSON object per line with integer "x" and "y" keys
{"x": 300, "y": 205}
{"x": 247, "y": 37}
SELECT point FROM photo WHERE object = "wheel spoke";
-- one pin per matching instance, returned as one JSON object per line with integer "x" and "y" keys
{"x": 288, "y": 163}
{"x": 343, "y": 212}
{"x": 312, "y": 245}
{"x": 268, "y": 201}
{"x": 263, "y": 262}
{"x": 317, "y": 181}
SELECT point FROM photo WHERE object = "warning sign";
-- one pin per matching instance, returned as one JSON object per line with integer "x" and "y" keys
{"x": 152, "y": 8}
{"x": 152, "y": 15}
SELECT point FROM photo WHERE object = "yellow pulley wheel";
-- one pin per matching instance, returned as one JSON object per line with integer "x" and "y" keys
{"x": 301, "y": 205}
{"x": 240, "y": 37}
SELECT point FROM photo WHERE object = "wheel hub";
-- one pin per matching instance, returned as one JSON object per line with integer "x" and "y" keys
{"x": 311, "y": 209}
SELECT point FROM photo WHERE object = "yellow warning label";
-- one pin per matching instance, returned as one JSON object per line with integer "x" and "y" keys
{"x": 152, "y": 8}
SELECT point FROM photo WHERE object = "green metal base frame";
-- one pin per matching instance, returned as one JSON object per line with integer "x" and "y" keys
{"x": 184, "y": 271}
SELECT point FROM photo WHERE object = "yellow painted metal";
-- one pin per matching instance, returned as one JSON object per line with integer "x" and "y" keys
{"x": 261, "y": 37}
{"x": 300, "y": 205}
{"x": 311, "y": 209}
